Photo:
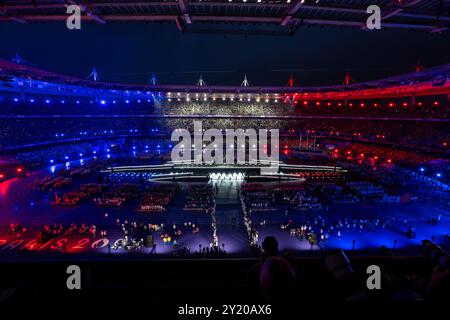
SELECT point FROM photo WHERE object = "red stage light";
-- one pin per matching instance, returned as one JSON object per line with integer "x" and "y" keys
{"x": 405, "y": 104}
{"x": 436, "y": 103}
{"x": 362, "y": 105}
{"x": 305, "y": 102}
{"x": 389, "y": 161}
{"x": 318, "y": 103}
{"x": 329, "y": 104}
{"x": 19, "y": 170}
{"x": 419, "y": 104}
{"x": 391, "y": 104}
{"x": 2, "y": 175}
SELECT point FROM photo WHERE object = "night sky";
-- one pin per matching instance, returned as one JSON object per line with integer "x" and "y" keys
{"x": 128, "y": 53}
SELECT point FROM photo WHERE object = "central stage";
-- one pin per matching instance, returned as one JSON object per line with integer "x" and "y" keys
{"x": 191, "y": 170}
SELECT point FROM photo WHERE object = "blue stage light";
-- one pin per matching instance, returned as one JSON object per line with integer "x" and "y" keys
{"x": 127, "y": 101}
{"x": 51, "y": 161}
{"x": 422, "y": 169}
{"x": 114, "y": 101}
{"x": 62, "y": 102}
{"x": 158, "y": 146}
{"x": 103, "y": 102}
{"x": 66, "y": 157}
{"x": 438, "y": 175}
{"x": 31, "y": 100}
{"x": 47, "y": 101}
{"x": 81, "y": 154}
{"x": 78, "y": 102}
{"x": 16, "y": 100}
{"x": 94, "y": 152}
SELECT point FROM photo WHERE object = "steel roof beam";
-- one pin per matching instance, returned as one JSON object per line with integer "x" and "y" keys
{"x": 290, "y": 12}
{"x": 184, "y": 11}
{"x": 87, "y": 10}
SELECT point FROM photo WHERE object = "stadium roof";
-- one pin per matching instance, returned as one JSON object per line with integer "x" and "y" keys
{"x": 289, "y": 15}
{"x": 14, "y": 75}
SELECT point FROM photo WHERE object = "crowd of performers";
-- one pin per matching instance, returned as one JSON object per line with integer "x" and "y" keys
{"x": 321, "y": 229}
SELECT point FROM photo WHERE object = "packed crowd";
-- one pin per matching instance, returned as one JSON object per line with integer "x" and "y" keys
{"x": 156, "y": 198}
{"x": 200, "y": 197}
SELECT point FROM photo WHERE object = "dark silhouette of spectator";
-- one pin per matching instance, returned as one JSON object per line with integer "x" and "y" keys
{"x": 277, "y": 279}
{"x": 270, "y": 247}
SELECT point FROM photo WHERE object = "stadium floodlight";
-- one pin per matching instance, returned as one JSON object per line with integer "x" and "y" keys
{"x": 245, "y": 83}
{"x": 153, "y": 81}
{"x": 94, "y": 75}
{"x": 17, "y": 59}
{"x": 201, "y": 82}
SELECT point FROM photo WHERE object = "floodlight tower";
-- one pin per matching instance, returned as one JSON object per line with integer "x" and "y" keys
{"x": 153, "y": 80}
{"x": 245, "y": 83}
{"x": 419, "y": 67}
{"x": 200, "y": 82}
{"x": 348, "y": 79}
{"x": 291, "y": 81}
{"x": 17, "y": 59}
{"x": 94, "y": 75}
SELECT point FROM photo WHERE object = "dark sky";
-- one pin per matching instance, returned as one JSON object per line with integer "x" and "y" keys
{"x": 128, "y": 53}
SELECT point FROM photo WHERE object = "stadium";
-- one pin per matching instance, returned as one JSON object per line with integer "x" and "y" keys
{"x": 329, "y": 178}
